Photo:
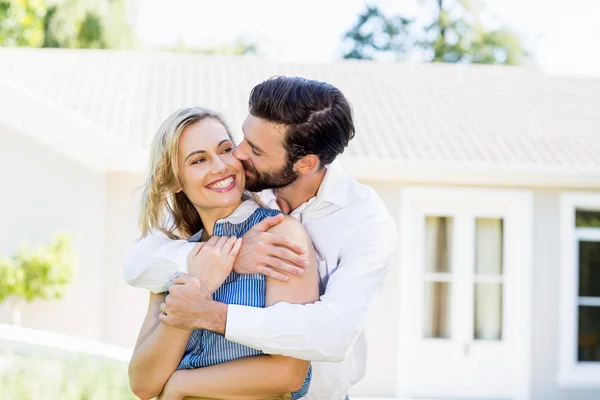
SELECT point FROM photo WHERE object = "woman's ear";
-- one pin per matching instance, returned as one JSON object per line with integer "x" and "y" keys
{"x": 307, "y": 164}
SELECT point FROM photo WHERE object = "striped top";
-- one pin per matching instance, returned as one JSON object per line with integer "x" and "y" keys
{"x": 208, "y": 348}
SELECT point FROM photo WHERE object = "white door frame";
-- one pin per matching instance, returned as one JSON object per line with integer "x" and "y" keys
{"x": 412, "y": 195}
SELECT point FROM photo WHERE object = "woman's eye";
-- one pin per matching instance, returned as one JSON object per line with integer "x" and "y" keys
{"x": 228, "y": 150}
{"x": 198, "y": 161}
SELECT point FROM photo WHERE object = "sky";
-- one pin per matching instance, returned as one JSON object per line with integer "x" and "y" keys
{"x": 561, "y": 35}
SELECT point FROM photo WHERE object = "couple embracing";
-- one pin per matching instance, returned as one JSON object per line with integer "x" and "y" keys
{"x": 262, "y": 258}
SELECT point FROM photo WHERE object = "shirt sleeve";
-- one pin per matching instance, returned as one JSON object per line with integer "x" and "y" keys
{"x": 328, "y": 329}
{"x": 155, "y": 260}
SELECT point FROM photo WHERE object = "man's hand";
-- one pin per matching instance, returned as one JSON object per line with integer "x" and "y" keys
{"x": 190, "y": 306}
{"x": 212, "y": 261}
{"x": 268, "y": 253}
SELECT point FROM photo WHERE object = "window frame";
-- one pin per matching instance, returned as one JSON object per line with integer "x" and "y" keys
{"x": 571, "y": 372}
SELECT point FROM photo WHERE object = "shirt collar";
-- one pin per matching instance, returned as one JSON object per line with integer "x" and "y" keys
{"x": 241, "y": 213}
{"x": 238, "y": 216}
{"x": 333, "y": 189}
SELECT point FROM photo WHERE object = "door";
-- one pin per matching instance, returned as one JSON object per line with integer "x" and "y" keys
{"x": 467, "y": 253}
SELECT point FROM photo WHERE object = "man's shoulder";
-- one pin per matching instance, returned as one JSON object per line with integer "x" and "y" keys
{"x": 362, "y": 196}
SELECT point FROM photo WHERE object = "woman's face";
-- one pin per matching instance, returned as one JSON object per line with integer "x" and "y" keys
{"x": 210, "y": 175}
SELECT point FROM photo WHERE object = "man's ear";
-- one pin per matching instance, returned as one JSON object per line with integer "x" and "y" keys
{"x": 307, "y": 164}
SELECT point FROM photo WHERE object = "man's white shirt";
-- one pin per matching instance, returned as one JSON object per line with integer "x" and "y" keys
{"x": 354, "y": 237}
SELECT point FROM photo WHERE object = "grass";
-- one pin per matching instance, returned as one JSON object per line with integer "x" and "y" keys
{"x": 64, "y": 377}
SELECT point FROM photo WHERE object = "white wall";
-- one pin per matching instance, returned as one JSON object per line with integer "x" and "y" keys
{"x": 546, "y": 286}
{"x": 43, "y": 192}
{"x": 382, "y": 326}
{"x": 125, "y": 306}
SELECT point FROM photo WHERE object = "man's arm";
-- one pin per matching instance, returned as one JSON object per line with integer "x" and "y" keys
{"x": 154, "y": 260}
{"x": 327, "y": 329}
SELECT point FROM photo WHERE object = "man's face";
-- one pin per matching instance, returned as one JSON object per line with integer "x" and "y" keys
{"x": 263, "y": 156}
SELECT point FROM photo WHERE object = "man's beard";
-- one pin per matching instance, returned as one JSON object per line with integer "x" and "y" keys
{"x": 269, "y": 180}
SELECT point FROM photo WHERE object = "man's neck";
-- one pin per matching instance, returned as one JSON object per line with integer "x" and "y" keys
{"x": 303, "y": 189}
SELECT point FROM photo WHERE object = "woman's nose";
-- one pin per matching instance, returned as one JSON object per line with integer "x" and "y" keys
{"x": 218, "y": 166}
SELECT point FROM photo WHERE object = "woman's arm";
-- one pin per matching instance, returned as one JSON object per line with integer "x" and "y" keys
{"x": 157, "y": 352}
{"x": 263, "y": 376}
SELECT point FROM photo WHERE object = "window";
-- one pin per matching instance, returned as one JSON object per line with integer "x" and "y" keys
{"x": 587, "y": 231}
{"x": 580, "y": 291}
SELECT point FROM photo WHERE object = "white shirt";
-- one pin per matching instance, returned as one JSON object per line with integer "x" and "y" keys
{"x": 354, "y": 236}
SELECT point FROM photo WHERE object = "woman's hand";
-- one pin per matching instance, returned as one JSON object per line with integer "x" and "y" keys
{"x": 212, "y": 262}
{"x": 170, "y": 391}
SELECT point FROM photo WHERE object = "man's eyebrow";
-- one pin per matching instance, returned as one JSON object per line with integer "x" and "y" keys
{"x": 255, "y": 147}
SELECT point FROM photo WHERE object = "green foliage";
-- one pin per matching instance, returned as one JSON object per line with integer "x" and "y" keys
{"x": 10, "y": 278}
{"x": 76, "y": 377}
{"x": 38, "y": 273}
{"x": 86, "y": 24}
{"x": 65, "y": 23}
{"x": 21, "y": 22}
{"x": 456, "y": 34}
{"x": 376, "y": 33}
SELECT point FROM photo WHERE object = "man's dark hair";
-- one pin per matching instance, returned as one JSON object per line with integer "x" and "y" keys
{"x": 317, "y": 116}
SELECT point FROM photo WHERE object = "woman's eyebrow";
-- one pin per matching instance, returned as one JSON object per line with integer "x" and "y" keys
{"x": 194, "y": 153}
{"x": 204, "y": 151}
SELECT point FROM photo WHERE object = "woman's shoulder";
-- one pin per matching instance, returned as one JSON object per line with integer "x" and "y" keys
{"x": 262, "y": 212}
{"x": 290, "y": 227}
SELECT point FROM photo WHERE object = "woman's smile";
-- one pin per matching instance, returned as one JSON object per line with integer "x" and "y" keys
{"x": 222, "y": 185}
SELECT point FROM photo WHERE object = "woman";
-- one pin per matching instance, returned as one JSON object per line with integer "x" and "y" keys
{"x": 197, "y": 184}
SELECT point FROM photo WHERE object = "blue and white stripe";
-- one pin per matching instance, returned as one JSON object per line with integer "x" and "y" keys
{"x": 208, "y": 348}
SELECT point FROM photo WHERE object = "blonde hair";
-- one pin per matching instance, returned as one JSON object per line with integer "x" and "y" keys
{"x": 162, "y": 197}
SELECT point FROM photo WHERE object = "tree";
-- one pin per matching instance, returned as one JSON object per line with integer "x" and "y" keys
{"x": 87, "y": 24}
{"x": 65, "y": 23}
{"x": 21, "y": 22}
{"x": 455, "y": 34}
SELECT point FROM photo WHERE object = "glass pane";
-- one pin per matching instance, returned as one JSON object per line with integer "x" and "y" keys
{"x": 436, "y": 316}
{"x": 489, "y": 236}
{"x": 488, "y": 311}
{"x": 438, "y": 244}
{"x": 588, "y": 341}
{"x": 587, "y": 219}
{"x": 589, "y": 269}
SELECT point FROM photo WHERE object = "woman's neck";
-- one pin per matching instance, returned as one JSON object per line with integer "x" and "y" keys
{"x": 210, "y": 216}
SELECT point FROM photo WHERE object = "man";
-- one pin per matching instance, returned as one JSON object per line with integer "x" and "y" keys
{"x": 293, "y": 133}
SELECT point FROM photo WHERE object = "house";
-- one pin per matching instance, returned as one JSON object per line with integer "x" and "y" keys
{"x": 492, "y": 174}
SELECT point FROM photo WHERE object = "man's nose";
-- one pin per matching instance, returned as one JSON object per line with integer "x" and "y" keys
{"x": 240, "y": 152}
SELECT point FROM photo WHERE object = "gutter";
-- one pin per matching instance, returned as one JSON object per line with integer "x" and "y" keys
{"x": 479, "y": 174}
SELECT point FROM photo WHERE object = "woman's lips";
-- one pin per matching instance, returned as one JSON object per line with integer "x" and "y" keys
{"x": 223, "y": 185}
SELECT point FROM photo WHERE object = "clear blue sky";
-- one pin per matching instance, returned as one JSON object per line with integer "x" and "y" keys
{"x": 562, "y": 34}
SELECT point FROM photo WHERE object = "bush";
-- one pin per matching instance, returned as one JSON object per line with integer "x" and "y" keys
{"x": 38, "y": 273}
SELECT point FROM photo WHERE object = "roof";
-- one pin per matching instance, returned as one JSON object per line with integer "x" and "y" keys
{"x": 441, "y": 115}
